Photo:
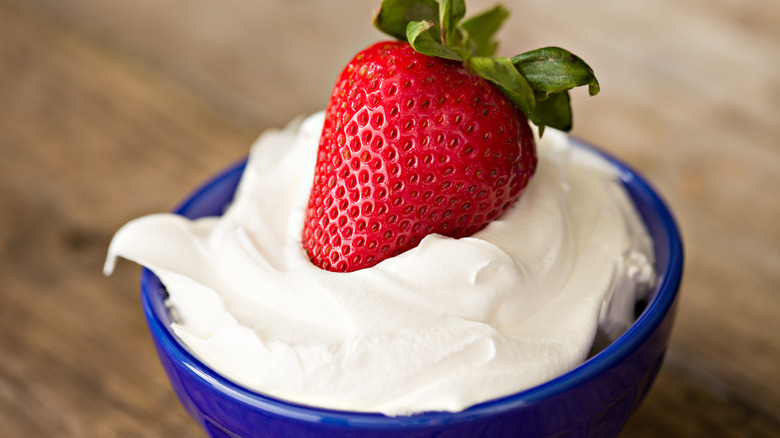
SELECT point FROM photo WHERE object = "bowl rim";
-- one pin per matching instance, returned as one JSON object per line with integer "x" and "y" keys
{"x": 645, "y": 325}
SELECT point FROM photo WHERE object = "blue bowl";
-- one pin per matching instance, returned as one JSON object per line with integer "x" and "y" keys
{"x": 593, "y": 400}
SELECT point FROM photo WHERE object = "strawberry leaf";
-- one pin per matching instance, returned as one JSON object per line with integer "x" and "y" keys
{"x": 537, "y": 82}
{"x": 503, "y": 74}
{"x": 554, "y": 111}
{"x": 451, "y": 12}
{"x": 552, "y": 70}
{"x": 393, "y": 16}
{"x": 419, "y": 36}
{"x": 480, "y": 29}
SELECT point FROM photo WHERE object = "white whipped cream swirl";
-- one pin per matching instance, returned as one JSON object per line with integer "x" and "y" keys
{"x": 446, "y": 325}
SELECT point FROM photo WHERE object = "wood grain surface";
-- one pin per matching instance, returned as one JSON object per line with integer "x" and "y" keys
{"x": 112, "y": 110}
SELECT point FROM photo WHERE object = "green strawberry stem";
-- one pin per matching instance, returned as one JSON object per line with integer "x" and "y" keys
{"x": 537, "y": 82}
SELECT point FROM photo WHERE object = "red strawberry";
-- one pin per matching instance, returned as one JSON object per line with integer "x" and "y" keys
{"x": 416, "y": 144}
{"x": 412, "y": 145}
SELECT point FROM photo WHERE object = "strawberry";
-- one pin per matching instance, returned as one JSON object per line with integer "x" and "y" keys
{"x": 429, "y": 134}
{"x": 412, "y": 145}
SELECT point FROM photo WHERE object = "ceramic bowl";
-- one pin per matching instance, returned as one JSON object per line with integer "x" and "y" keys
{"x": 593, "y": 400}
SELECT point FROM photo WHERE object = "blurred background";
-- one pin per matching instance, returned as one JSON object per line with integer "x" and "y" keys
{"x": 111, "y": 110}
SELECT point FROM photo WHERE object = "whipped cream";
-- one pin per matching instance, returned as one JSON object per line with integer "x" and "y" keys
{"x": 444, "y": 326}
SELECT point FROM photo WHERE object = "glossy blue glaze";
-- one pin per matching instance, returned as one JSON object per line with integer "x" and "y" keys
{"x": 593, "y": 400}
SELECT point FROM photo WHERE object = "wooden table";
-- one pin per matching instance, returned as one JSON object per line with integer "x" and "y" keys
{"x": 112, "y": 110}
